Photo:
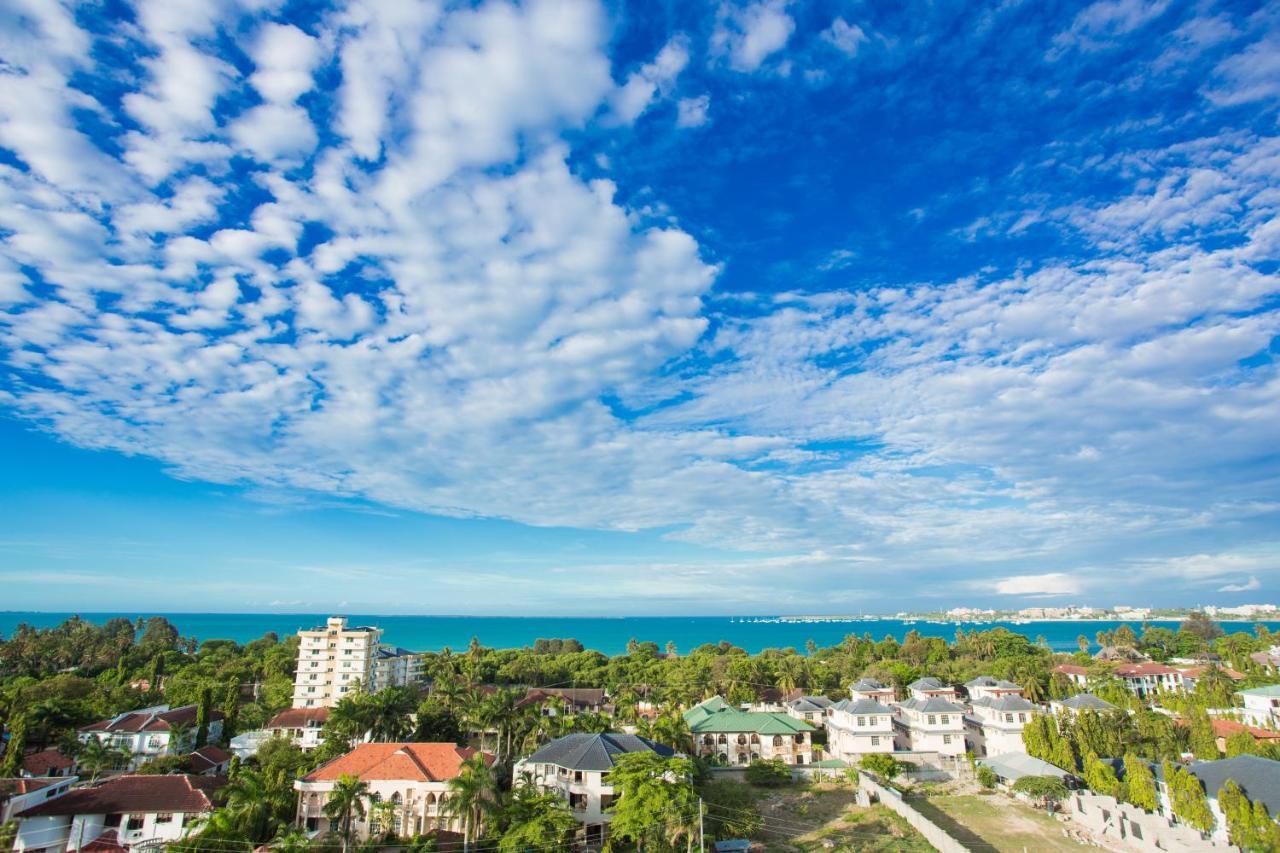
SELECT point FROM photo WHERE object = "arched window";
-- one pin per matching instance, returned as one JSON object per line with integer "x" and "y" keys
{"x": 708, "y": 740}
{"x": 723, "y": 740}
{"x": 395, "y": 798}
{"x": 800, "y": 738}
{"x": 755, "y": 756}
{"x": 755, "y": 738}
{"x": 724, "y": 759}
{"x": 777, "y": 740}
{"x": 742, "y": 740}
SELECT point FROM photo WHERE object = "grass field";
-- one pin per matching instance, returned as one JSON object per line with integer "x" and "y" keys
{"x": 995, "y": 822}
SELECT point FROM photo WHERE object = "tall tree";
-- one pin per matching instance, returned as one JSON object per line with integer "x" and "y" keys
{"x": 656, "y": 804}
{"x": 12, "y": 765}
{"x": 472, "y": 796}
{"x": 536, "y": 820}
{"x": 203, "y": 711}
{"x": 1187, "y": 797}
{"x": 1140, "y": 783}
{"x": 345, "y": 803}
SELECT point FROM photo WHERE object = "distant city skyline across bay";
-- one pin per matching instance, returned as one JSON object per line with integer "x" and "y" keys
{"x": 748, "y": 307}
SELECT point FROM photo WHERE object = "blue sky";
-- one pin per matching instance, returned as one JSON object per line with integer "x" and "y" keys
{"x": 638, "y": 308}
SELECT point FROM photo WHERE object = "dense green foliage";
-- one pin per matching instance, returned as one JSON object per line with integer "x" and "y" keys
{"x": 768, "y": 774}
{"x": 883, "y": 765}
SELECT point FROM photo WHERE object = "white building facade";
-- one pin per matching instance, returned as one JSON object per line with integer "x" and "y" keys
{"x": 859, "y": 727}
{"x": 332, "y": 660}
{"x": 153, "y": 732}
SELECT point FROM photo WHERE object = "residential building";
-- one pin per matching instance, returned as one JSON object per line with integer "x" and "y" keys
{"x": 1268, "y": 660}
{"x": 394, "y": 667}
{"x": 988, "y": 687}
{"x": 1076, "y": 674}
{"x": 209, "y": 760}
{"x": 18, "y": 795}
{"x": 414, "y": 776}
{"x": 151, "y": 732}
{"x": 730, "y": 736}
{"x": 870, "y": 688}
{"x": 858, "y": 727}
{"x": 994, "y": 724}
{"x": 931, "y": 688}
{"x": 812, "y": 709}
{"x": 1223, "y": 729}
{"x": 47, "y": 763}
{"x": 1258, "y": 778}
{"x": 1261, "y": 705}
{"x": 927, "y": 723}
{"x": 332, "y": 660}
{"x": 577, "y": 768}
{"x": 565, "y": 701}
{"x": 1191, "y": 675}
{"x": 1080, "y": 702}
{"x": 1147, "y": 679}
{"x": 126, "y": 812}
{"x": 300, "y": 725}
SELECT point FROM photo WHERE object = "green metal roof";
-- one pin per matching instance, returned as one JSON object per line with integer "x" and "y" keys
{"x": 714, "y": 716}
{"x": 830, "y": 763}
{"x": 1268, "y": 690}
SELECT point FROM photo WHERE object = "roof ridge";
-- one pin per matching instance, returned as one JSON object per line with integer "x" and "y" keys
{"x": 407, "y": 749}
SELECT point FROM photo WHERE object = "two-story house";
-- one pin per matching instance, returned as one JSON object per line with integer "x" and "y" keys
{"x": 858, "y": 727}
{"x": 876, "y": 691}
{"x": 127, "y": 812}
{"x": 1261, "y": 705}
{"x": 151, "y": 732}
{"x": 1147, "y": 679}
{"x": 730, "y": 736}
{"x": 932, "y": 724}
{"x": 812, "y": 709}
{"x": 577, "y": 768}
{"x": 994, "y": 725}
{"x": 413, "y": 776}
{"x": 932, "y": 688}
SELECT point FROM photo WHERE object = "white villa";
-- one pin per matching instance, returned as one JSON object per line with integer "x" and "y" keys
{"x": 125, "y": 812}
{"x": 932, "y": 688}
{"x": 994, "y": 726}
{"x": 730, "y": 736}
{"x": 870, "y": 688}
{"x": 149, "y": 733}
{"x": 1262, "y": 705}
{"x": 577, "y": 767}
{"x": 858, "y": 727}
{"x": 413, "y": 776}
{"x": 930, "y": 724}
{"x": 812, "y": 709}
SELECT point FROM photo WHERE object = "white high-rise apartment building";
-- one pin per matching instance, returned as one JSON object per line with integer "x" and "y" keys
{"x": 332, "y": 660}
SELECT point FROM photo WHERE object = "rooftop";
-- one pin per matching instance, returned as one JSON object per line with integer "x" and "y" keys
{"x": 1087, "y": 701}
{"x": 933, "y": 705}
{"x": 298, "y": 718}
{"x": 594, "y": 752}
{"x": 158, "y": 719}
{"x": 1259, "y": 778}
{"x": 135, "y": 794}
{"x": 1268, "y": 690}
{"x": 420, "y": 762}
{"x": 714, "y": 715}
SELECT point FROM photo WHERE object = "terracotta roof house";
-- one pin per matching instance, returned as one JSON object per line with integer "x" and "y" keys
{"x": 1223, "y": 729}
{"x": 1145, "y": 679}
{"x": 1074, "y": 673}
{"x": 300, "y": 725}
{"x": 151, "y": 732}
{"x": 557, "y": 701}
{"x": 209, "y": 760}
{"x": 414, "y": 776}
{"x": 20, "y": 794}
{"x": 124, "y": 812}
{"x": 47, "y": 762}
{"x": 730, "y": 736}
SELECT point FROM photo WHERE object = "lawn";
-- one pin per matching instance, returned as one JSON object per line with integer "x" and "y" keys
{"x": 995, "y": 822}
{"x": 824, "y": 817}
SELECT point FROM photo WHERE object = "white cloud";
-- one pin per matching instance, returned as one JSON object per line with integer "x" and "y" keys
{"x": 845, "y": 37}
{"x": 652, "y": 80}
{"x": 692, "y": 112}
{"x": 750, "y": 34}
{"x": 1054, "y": 583}
{"x": 1248, "y": 586}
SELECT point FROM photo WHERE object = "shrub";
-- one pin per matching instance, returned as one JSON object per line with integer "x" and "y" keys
{"x": 769, "y": 774}
{"x": 987, "y": 777}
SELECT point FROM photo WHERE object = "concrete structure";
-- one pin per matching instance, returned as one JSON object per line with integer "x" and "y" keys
{"x": 151, "y": 732}
{"x": 18, "y": 795}
{"x": 812, "y": 709}
{"x": 932, "y": 688}
{"x": 876, "y": 691}
{"x": 1147, "y": 679}
{"x": 994, "y": 725}
{"x": 926, "y": 723}
{"x": 859, "y": 727}
{"x": 1261, "y": 705}
{"x": 730, "y": 736}
{"x": 1080, "y": 702}
{"x": 124, "y": 812}
{"x": 413, "y": 776}
{"x": 394, "y": 667}
{"x": 577, "y": 768}
{"x": 1125, "y": 827}
{"x": 332, "y": 660}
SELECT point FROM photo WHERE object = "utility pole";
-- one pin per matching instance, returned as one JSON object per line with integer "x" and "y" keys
{"x": 702, "y": 837}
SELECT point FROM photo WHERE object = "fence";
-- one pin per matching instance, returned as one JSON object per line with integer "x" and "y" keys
{"x": 934, "y": 834}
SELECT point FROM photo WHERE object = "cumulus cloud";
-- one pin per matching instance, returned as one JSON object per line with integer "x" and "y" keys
{"x": 1054, "y": 583}
{"x": 652, "y": 80}
{"x": 748, "y": 35}
{"x": 692, "y": 112}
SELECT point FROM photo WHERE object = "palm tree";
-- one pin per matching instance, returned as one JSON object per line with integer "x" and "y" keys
{"x": 536, "y": 819}
{"x": 350, "y": 718}
{"x": 346, "y": 801}
{"x": 472, "y": 794}
{"x": 389, "y": 713}
{"x": 97, "y": 758}
{"x": 260, "y": 807}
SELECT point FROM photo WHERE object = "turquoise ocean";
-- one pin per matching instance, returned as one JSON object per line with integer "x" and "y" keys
{"x": 608, "y": 635}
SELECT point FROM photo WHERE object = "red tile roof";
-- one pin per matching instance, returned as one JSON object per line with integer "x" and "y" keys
{"x": 1132, "y": 670}
{"x": 421, "y": 762}
{"x": 1071, "y": 669}
{"x": 207, "y": 757}
{"x": 136, "y": 794}
{"x": 298, "y": 718}
{"x": 1225, "y": 728}
{"x": 582, "y": 697}
{"x": 18, "y": 787}
{"x": 107, "y": 842}
{"x": 150, "y": 721}
{"x": 46, "y": 760}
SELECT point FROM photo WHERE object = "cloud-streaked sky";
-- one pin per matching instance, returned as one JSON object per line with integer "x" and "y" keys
{"x": 567, "y": 307}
